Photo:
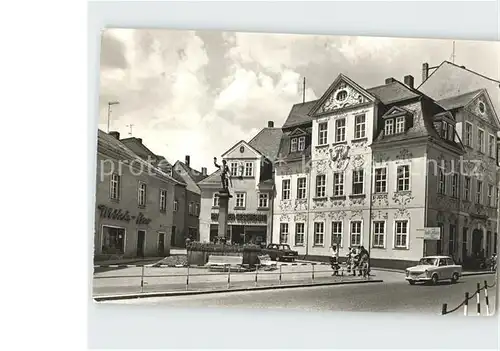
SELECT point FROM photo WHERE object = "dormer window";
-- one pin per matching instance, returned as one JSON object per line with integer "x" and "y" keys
{"x": 389, "y": 127}
{"x": 298, "y": 144}
{"x": 400, "y": 124}
{"x": 444, "y": 130}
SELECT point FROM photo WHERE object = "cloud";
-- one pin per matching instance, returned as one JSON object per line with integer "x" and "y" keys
{"x": 199, "y": 93}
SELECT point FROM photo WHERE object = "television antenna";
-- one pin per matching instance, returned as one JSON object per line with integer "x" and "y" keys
{"x": 130, "y": 126}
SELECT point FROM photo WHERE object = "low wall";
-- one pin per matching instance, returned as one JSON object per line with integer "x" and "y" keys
{"x": 198, "y": 253}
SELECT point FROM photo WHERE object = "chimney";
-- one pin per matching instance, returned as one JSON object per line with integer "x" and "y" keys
{"x": 270, "y": 124}
{"x": 425, "y": 71}
{"x": 139, "y": 140}
{"x": 204, "y": 171}
{"x": 115, "y": 135}
{"x": 409, "y": 80}
{"x": 389, "y": 80}
{"x": 188, "y": 158}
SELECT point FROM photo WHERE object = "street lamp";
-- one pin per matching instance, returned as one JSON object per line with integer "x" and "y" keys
{"x": 110, "y": 103}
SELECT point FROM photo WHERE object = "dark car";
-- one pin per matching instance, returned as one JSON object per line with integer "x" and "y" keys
{"x": 280, "y": 252}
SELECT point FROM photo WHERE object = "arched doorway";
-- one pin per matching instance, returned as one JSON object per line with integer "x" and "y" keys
{"x": 477, "y": 242}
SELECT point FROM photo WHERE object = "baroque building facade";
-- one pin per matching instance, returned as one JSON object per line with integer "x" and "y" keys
{"x": 374, "y": 167}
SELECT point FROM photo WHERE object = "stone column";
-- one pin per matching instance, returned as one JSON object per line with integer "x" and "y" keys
{"x": 224, "y": 197}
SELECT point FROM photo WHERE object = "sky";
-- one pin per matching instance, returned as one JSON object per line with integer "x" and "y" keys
{"x": 198, "y": 93}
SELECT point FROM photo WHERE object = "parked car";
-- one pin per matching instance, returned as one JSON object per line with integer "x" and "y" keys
{"x": 432, "y": 269}
{"x": 280, "y": 252}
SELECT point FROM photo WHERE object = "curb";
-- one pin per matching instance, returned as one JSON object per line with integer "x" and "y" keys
{"x": 249, "y": 289}
{"x": 467, "y": 274}
{"x": 388, "y": 270}
{"x": 155, "y": 265}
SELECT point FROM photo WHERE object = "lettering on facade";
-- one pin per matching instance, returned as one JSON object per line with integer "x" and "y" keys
{"x": 121, "y": 215}
{"x": 242, "y": 217}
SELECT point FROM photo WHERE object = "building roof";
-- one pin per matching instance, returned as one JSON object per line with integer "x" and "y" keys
{"x": 393, "y": 92}
{"x": 458, "y": 101}
{"x": 190, "y": 176}
{"x": 109, "y": 144}
{"x": 212, "y": 178}
{"x": 449, "y": 80}
{"x": 267, "y": 142}
{"x": 299, "y": 114}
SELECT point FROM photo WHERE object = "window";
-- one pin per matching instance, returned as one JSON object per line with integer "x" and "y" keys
{"x": 283, "y": 233}
{"x": 479, "y": 192}
{"x": 452, "y": 240}
{"x": 490, "y": 196}
{"x": 389, "y": 127}
{"x": 378, "y": 234}
{"x": 451, "y": 132}
{"x": 114, "y": 187}
{"x": 467, "y": 188}
{"x": 197, "y": 209}
{"x": 293, "y": 145}
{"x": 216, "y": 200}
{"x": 299, "y": 234}
{"x": 356, "y": 233}
{"x": 444, "y": 130}
{"x": 338, "y": 184}
{"x": 341, "y": 95}
{"x": 468, "y": 134}
{"x": 401, "y": 234}
{"x": 321, "y": 185}
{"x": 234, "y": 169}
{"x": 337, "y": 233}
{"x": 454, "y": 185}
{"x": 340, "y": 130}
{"x": 176, "y": 206}
{"x": 442, "y": 182}
{"x": 285, "y": 191}
{"x": 404, "y": 178}
{"x": 248, "y": 169}
{"x": 163, "y": 200}
{"x": 480, "y": 140}
{"x": 263, "y": 200}
{"x": 302, "y": 143}
{"x": 380, "y": 180}
{"x": 357, "y": 182}
{"x": 301, "y": 188}
{"x": 495, "y": 243}
{"x": 491, "y": 146}
{"x": 190, "y": 208}
{"x": 488, "y": 243}
{"x": 322, "y": 133}
{"x": 240, "y": 200}
{"x": 319, "y": 232}
{"x": 360, "y": 127}
{"x": 113, "y": 240}
{"x": 141, "y": 199}
{"x": 400, "y": 124}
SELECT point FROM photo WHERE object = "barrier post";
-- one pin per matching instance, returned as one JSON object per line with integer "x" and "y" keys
{"x": 256, "y": 273}
{"x": 466, "y": 304}
{"x": 280, "y": 274}
{"x": 313, "y": 272}
{"x": 187, "y": 279}
{"x": 443, "y": 310}
{"x": 486, "y": 298}
{"x": 228, "y": 276}
{"x": 478, "y": 299}
{"x": 142, "y": 279}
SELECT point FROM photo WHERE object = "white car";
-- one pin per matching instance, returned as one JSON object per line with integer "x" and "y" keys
{"x": 433, "y": 269}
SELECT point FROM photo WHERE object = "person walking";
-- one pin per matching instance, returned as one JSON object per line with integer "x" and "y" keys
{"x": 334, "y": 259}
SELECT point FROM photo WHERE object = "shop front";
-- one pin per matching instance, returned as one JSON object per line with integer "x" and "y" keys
{"x": 243, "y": 228}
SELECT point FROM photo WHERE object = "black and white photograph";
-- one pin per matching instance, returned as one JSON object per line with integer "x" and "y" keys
{"x": 298, "y": 172}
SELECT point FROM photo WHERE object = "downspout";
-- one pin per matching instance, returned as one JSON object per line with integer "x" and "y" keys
{"x": 426, "y": 203}
{"x": 370, "y": 206}
{"x": 309, "y": 185}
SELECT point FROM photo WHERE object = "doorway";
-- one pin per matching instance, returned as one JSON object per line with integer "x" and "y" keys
{"x": 464, "y": 243}
{"x": 238, "y": 234}
{"x": 172, "y": 238}
{"x": 141, "y": 237}
{"x": 161, "y": 244}
{"x": 477, "y": 243}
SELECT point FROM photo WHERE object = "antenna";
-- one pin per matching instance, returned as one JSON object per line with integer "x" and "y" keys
{"x": 304, "y": 91}
{"x": 130, "y": 126}
{"x": 453, "y": 53}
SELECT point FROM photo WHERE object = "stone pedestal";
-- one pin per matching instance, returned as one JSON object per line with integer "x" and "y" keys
{"x": 224, "y": 197}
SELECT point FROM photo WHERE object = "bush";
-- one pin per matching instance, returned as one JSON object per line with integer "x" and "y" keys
{"x": 211, "y": 247}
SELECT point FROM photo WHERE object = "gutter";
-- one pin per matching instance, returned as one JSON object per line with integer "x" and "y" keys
{"x": 309, "y": 185}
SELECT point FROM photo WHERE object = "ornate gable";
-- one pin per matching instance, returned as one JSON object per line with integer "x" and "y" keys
{"x": 396, "y": 111}
{"x": 343, "y": 93}
{"x": 482, "y": 107}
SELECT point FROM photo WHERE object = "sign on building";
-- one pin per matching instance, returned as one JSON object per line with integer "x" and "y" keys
{"x": 432, "y": 233}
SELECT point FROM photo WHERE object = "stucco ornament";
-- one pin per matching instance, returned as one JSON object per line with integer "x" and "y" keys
{"x": 343, "y": 96}
{"x": 356, "y": 214}
{"x": 380, "y": 215}
{"x": 357, "y": 201}
{"x": 380, "y": 200}
{"x": 286, "y": 205}
{"x": 358, "y": 161}
{"x": 300, "y": 205}
{"x": 339, "y": 157}
{"x": 300, "y": 217}
{"x": 321, "y": 166}
{"x": 404, "y": 155}
{"x": 284, "y": 217}
{"x": 402, "y": 198}
{"x": 401, "y": 213}
{"x": 337, "y": 215}
{"x": 319, "y": 215}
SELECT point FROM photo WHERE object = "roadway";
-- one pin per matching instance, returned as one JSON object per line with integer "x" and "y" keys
{"x": 393, "y": 295}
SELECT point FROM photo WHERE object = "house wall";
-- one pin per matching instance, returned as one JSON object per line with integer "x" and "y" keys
{"x": 160, "y": 222}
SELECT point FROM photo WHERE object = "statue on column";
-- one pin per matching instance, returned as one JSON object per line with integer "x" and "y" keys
{"x": 224, "y": 175}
